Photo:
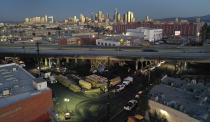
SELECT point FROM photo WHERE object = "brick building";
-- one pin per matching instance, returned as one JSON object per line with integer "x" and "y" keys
{"x": 20, "y": 100}
{"x": 186, "y": 29}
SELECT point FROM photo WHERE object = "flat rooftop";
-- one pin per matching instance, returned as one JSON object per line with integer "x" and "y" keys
{"x": 187, "y": 97}
{"x": 18, "y": 81}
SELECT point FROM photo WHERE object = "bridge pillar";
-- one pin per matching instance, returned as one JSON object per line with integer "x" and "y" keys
{"x": 148, "y": 63}
{"x": 58, "y": 61}
{"x": 67, "y": 59}
{"x": 41, "y": 60}
{"x": 137, "y": 65}
{"x": 142, "y": 64}
{"x": 46, "y": 62}
{"x": 185, "y": 65}
{"x": 50, "y": 63}
{"x": 76, "y": 60}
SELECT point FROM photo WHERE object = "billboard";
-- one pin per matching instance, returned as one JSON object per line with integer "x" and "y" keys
{"x": 177, "y": 33}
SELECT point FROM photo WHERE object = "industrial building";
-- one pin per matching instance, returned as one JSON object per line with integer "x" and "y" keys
{"x": 118, "y": 40}
{"x": 186, "y": 29}
{"x": 149, "y": 34}
{"x": 180, "y": 101}
{"x": 108, "y": 42}
{"x": 23, "y": 98}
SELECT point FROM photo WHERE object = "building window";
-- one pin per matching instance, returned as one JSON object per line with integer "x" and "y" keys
{"x": 105, "y": 44}
{"x": 99, "y": 43}
{"x": 113, "y": 44}
{"x": 102, "y": 43}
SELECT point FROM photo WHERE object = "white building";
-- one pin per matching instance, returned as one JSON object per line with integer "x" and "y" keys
{"x": 149, "y": 34}
{"x": 107, "y": 42}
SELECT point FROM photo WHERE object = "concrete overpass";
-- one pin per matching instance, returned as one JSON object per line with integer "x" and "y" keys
{"x": 173, "y": 53}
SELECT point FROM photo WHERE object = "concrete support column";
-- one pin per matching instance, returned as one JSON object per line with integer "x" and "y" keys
{"x": 142, "y": 64}
{"x": 50, "y": 63}
{"x": 67, "y": 59}
{"x": 58, "y": 61}
{"x": 46, "y": 62}
{"x": 137, "y": 65}
{"x": 147, "y": 63}
{"x": 75, "y": 60}
{"x": 41, "y": 60}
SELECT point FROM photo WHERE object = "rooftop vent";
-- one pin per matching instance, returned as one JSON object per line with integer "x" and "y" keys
{"x": 6, "y": 92}
{"x": 14, "y": 69}
{"x": 39, "y": 83}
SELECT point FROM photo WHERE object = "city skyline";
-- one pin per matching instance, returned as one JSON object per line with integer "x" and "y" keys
{"x": 63, "y": 9}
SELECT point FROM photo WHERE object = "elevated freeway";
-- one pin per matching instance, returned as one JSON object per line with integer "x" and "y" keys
{"x": 179, "y": 53}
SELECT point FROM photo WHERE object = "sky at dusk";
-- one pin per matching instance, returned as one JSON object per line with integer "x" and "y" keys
{"x": 17, "y": 10}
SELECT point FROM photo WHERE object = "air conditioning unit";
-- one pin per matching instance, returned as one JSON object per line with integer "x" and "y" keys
{"x": 14, "y": 69}
{"x": 6, "y": 92}
{"x": 39, "y": 84}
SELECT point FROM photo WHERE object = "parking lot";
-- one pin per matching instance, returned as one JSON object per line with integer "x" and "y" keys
{"x": 89, "y": 108}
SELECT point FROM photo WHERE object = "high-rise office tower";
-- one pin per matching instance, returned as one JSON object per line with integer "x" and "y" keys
{"x": 96, "y": 17}
{"x": 66, "y": 21}
{"x": 129, "y": 16}
{"x": 107, "y": 18}
{"x": 118, "y": 17}
{"x": 115, "y": 15}
{"x": 43, "y": 20}
{"x": 75, "y": 19}
{"x": 177, "y": 20}
{"x": 198, "y": 20}
{"x": 148, "y": 19}
{"x": 100, "y": 16}
{"x": 27, "y": 20}
{"x": 70, "y": 19}
{"x": 92, "y": 16}
{"x": 125, "y": 18}
{"x": 51, "y": 19}
{"x": 46, "y": 19}
{"x": 37, "y": 19}
{"x": 82, "y": 18}
{"x": 132, "y": 17}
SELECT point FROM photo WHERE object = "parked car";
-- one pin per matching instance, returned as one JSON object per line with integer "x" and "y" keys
{"x": 151, "y": 68}
{"x": 158, "y": 65}
{"x": 128, "y": 80}
{"x": 120, "y": 87}
{"x": 138, "y": 94}
{"x": 130, "y": 105}
{"x": 162, "y": 62}
{"x": 67, "y": 116}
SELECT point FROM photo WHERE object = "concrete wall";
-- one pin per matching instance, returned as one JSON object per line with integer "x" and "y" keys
{"x": 172, "y": 115}
{"x": 32, "y": 109}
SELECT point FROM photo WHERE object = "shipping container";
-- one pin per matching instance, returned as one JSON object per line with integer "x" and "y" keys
{"x": 115, "y": 81}
{"x": 85, "y": 84}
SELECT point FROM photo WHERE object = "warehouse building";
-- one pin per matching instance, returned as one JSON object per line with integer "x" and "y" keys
{"x": 23, "y": 98}
{"x": 180, "y": 101}
{"x": 149, "y": 34}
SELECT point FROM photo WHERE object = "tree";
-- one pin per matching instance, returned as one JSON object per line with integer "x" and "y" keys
{"x": 143, "y": 105}
{"x": 204, "y": 32}
{"x": 157, "y": 117}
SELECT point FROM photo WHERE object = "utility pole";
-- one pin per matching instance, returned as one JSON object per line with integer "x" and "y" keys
{"x": 108, "y": 88}
{"x": 38, "y": 57}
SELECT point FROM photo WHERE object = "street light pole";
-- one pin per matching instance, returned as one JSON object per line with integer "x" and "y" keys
{"x": 66, "y": 100}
